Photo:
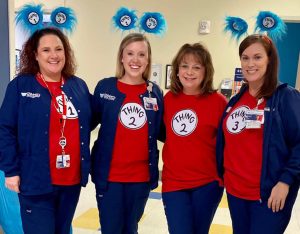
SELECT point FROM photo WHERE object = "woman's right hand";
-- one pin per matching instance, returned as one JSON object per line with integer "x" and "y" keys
{"x": 13, "y": 183}
{"x": 278, "y": 196}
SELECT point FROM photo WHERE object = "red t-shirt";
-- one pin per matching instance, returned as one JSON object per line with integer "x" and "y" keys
{"x": 70, "y": 175}
{"x": 189, "y": 153}
{"x": 130, "y": 157}
{"x": 243, "y": 151}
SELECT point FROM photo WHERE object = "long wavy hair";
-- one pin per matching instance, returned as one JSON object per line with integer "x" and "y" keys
{"x": 28, "y": 62}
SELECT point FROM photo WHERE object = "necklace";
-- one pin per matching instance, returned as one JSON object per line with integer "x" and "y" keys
{"x": 62, "y": 120}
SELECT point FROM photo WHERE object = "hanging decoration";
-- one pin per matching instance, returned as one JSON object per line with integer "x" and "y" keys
{"x": 64, "y": 18}
{"x": 269, "y": 22}
{"x": 125, "y": 19}
{"x": 30, "y": 17}
{"x": 236, "y": 26}
{"x": 153, "y": 22}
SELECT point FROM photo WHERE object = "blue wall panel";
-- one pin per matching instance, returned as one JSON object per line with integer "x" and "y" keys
{"x": 4, "y": 48}
{"x": 288, "y": 50}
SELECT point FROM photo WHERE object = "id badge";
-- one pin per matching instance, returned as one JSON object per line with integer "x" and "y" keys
{"x": 63, "y": 161}
{"x": 150, "y": 103}
{"x": 254, "y": 118}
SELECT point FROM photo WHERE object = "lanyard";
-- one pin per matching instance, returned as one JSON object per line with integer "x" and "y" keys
{"x": 259, "y": 101}
{"x": 149, "y": 88}
{"x": 62, "y": 121}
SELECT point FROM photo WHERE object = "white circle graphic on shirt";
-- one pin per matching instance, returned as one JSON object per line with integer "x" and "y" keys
{"x": 71, "y": 110}
{"x": 132, "y": 116}
{"x": 236, "y": 120}
{"x": 184, "y": 122}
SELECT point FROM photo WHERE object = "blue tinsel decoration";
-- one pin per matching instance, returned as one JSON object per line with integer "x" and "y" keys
{"x": 153, "y": 22}
{"x": 64, "y": 18}
{"x": 269, "y": 22}
{"x": 124, "y": 19}
{"x": 236, "y": 26}
{"x": 30, "y": 17}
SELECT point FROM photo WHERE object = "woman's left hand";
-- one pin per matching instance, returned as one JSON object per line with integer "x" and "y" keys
{"x": 278, "y": 195}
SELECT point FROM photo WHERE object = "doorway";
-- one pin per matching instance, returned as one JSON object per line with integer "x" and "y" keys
{"x": 289, "y": 54}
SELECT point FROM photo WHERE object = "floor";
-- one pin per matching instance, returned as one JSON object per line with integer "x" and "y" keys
{"x": 153, "y": 221}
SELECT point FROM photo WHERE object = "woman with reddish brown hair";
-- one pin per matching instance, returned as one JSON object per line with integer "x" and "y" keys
{"x": 193, "y": 108}
{"x": 259, "y": 143}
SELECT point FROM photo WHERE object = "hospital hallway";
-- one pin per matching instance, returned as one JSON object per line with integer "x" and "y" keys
{"x": 86, "y": 220}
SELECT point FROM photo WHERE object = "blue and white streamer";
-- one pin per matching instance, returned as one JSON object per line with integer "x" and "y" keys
{"x": 153, "y": 22}
{"x": 269, "y": 22}
{"x": 30, "y": 17}
{"x": 64, "y": 18}
{"x": 236, "y": 26}
{"x": 125, "y": 19}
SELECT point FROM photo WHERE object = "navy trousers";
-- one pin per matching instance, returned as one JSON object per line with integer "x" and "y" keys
{"x": 254, "y": 217}
{"x": 50, "y": 213}
{"x": 191, "y": 211}
{"x": 121, "y": 207}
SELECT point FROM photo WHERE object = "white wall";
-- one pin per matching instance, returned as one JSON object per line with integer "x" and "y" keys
{"x": 95, "y": 42}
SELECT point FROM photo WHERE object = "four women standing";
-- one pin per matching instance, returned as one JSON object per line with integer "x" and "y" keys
{"x": 45, "y": 124}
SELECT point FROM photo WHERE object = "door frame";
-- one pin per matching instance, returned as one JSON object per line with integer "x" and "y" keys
{"x": 297, "y": 86}
{"x": 294, "y": 19}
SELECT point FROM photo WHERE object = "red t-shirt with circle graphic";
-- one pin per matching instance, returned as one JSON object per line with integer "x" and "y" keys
{"x": 70, "y": 175}
{"x": 130, "y": 159}
{"x": 243, "y": 151}
{"x": 189, "y": 152}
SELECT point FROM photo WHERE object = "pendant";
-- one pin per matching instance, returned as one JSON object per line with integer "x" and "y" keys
{"x": 62, "y": 142}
